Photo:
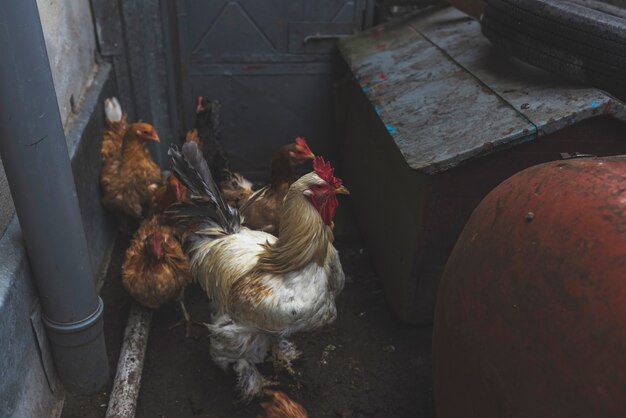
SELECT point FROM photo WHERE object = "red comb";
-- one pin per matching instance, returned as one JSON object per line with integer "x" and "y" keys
{"x": 302, "y": 143}
{"x": 326, "y": 172}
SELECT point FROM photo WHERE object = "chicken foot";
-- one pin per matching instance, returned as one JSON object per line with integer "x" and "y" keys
{"x": 250, "y": 381}
{"x": 284, "y": 352}
{"x": 186, "y": 320}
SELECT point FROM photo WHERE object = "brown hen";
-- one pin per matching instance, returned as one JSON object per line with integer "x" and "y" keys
{"x": 156, "y": 270}
{"x": 128, "y": 174}
{"x": 193, "y": 136}
{"x": 171, "y": 192}
{"x": 264, "y": 214}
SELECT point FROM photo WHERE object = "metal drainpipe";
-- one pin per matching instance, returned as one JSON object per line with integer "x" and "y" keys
{"x": 37, "y": 165}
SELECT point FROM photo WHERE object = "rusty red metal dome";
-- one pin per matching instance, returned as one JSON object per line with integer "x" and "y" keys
{"x": 531, "y": 310}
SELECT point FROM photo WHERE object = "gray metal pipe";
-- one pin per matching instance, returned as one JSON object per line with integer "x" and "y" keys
{"x": 37, "y": 165}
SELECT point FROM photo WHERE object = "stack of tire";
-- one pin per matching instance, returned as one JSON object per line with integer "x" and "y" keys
{"x": 583, "y": 40}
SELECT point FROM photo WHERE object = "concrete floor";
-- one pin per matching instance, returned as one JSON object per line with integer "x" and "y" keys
{"x": 364, "y": 365}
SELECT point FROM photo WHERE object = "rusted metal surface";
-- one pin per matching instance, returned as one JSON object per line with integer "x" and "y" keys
{"x": 531, "y": 311}
{"x": 446, "y": 96}
{"x": 123, "y": 401}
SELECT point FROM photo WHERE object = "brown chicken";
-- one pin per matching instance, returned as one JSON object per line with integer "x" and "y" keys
{"x": 234, "y": 187}
{"x": 264, "y": 213}
{"x": 281, "y": 406}
{"x": 194, "y": 137}
{"x": 171, "y": 192}
{"x": 128, "y": 175}
{"x": 117, "y": 122}
{"x": 156, "y": 270}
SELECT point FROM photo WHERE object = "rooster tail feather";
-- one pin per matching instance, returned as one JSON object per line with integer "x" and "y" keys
{"x": 209, "y": 211}
{"x": 253, "y": 198}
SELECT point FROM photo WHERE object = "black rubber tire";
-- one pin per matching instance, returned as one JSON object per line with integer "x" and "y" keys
{"x": 580, "y": 39}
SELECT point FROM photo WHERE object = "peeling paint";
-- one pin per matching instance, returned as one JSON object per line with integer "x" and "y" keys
{"x": 455, "y": 99}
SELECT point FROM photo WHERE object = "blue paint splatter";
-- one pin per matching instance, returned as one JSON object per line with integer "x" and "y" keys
{"x": 377, "y": 110}
{"x": 595, "y": 104}
{"x": 391, "y": 130}
{"x": 365, "y": 89}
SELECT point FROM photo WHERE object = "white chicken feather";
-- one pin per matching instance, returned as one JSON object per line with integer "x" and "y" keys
{"x": 264, "y": 288}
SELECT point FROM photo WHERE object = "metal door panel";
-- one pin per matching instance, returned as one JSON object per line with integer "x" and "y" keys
{"x": 316, "y": 38}
{"x": 252, "y": 56}
{"x": 261, "y": 113}
{"x": 329, "y": 11}
{"x": 218, "y": 23}
{"x": 234, "y": 34}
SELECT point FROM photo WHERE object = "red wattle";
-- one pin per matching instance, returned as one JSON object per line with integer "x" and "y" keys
{"x": 326, "y": 205}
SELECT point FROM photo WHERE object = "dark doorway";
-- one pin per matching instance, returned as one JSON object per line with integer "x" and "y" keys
{"x": 269, "y": 63}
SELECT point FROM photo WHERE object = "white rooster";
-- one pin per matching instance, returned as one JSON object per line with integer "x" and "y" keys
{"x": 263, "y": 288}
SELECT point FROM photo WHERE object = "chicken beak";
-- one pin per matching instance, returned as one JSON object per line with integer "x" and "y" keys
{"x": 156, "y": 139}
{"x": 342, "y": 190}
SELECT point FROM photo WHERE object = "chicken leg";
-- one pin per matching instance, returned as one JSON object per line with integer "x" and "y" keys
{"x": 186, "y": 320}
{"x": 230, "y": 346}
{"x": 250, "y": 381}
{"x": 283, "y": 353}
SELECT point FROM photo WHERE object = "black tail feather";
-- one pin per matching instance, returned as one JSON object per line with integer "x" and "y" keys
{"x": 208, "y": 125}
{"x": 192, "y": 170}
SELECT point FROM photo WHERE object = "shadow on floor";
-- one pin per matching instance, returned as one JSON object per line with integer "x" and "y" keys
{"x": 364, "y": 365}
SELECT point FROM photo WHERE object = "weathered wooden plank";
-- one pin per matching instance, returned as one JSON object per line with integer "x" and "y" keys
{"x": 446, "y": 95}
{"x": 548, "y": 101}
{"x": 437, "y": 113}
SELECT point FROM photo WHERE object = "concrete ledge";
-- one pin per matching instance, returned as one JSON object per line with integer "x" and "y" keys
{"x": 26, "y": 390}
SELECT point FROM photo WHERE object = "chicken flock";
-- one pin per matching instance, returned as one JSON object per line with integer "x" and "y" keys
{"x": 265, "y": 258}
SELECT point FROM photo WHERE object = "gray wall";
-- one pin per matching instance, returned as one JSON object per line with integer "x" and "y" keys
{"x": 70, "y": 41}
{"x": 71, "y": 45}
{"x": 6, "y": 204}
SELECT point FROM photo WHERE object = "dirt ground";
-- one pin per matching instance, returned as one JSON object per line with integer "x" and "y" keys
{"x": 365, "y": 365}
